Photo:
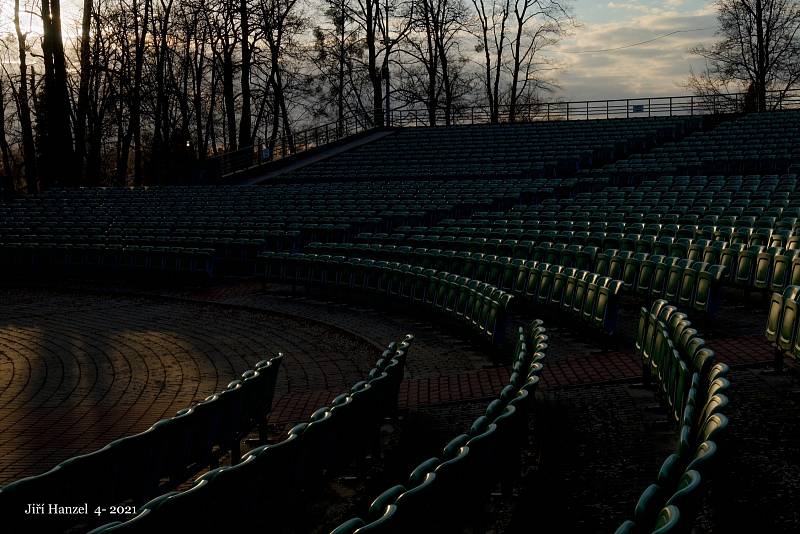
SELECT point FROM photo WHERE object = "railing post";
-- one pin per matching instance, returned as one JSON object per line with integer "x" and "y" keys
{"x": 567, "y": 110}
{"x": 691, "y": 106}
{"x": 548, "y": 111}
{"x": 627, "y": 109}
{"x": 606, "y": 109}
{"x": 587, "y": 110}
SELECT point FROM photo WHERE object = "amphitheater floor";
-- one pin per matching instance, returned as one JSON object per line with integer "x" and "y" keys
{"x": 84, "y": 365}
{"x": 79, "y": 370}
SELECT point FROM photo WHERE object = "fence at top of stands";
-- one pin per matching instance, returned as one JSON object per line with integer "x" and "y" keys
{"x": 665, "y": 106}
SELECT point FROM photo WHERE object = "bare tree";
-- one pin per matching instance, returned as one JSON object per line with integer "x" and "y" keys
{"x": 23, "y": 107}
{"x": 492, "y": 39}
{"x": 133, "y": 19}
{"x": 513, "y": 36}
{"x": 245, "y": 124}
{"x": 144, "y": 88}
{"x": 336, "y": 45}
{"x": 56, "y": 133}
{"x": 281, "y": 24}
{"x": 758, "y": 50}
{"x": 83, "y": 91}
{"x": 538, "y": 24}
{"x": 433, "y": 47}
{"x": 367, "y": 14}
{"x": 5, "y": 148}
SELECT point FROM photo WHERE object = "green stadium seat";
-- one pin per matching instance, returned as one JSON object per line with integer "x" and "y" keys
{"x": 667, "y": 521}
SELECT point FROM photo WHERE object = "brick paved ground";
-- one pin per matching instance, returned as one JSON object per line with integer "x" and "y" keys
{"x": 77, "y": 371}
{"x": 598, "y": 438}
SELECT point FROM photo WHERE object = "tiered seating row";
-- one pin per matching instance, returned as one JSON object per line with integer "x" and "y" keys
{"x": 119, "y": 226}
{"x": 540, "y": 149}
{"x": 760, "y": 201}
{"x": 783, "y": 323}
{"x": 135, "y": 468}
{"x": 754, "y": 142}
{"x": 524, "y": 243}
{"x": 273, "y": 482}
{"x": 26, "y": 259}
{"x": 692, "y": 387}
{"x": 448, "y": 492}
{"x": 479, "y": 305}
{"x": 693, "y": 284}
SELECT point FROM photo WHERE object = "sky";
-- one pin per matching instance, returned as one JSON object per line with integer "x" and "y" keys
{"x": 659, "y": 68}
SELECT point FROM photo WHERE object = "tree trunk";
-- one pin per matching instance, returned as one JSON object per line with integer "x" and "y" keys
{"x": 370, "y": 24}
{"x": 157, "y": 166}
{"x": 342, "y": 60}
{"x": 446, "y": 81}
{"x": 57, "y": 152}
{"x": 512, "y": 104}
{"x": 83, "y": 89}
{"x": 488, "y": 64}
{"x": 24, "y": 110}
{"x": 287, "y": 129}
{"x": 499, "y": 63}
{"x": 5, "y": 149}
{"x": 228, "y": 96}
{"x": 134, "y": 133}
{"x": 245, "y": 126}
{"x": 761, "y": 59}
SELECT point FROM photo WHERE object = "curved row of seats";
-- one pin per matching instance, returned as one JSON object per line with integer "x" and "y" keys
{"x": 607, "y": 234}
{"x": 783, "y": 323}
{"x": 134, "y": 468}
{"x": 582, "y": 295}
{"x": 753, "y": 267}
{"x": 588, "y": 297}
{"x": 272, "y": 483}
{"x": 480, "y": 305}
{"x": 753, "y": 142}
{"x": 100, "y": 260}
{"x": 693, "y": 284}
{"x": 670, "y": 504}
{"x": 447, "y": 493}
{"x": 709, "y": 250}
{"x": 715, "y": 200}
{"x": 237, "y": 222}
{"x": 540, "y": 148}
{"x": 692, "y": 388}
{"x": 670, "y": 220}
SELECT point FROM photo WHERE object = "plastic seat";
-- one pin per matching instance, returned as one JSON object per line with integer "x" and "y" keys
{"x": 667, "y": 521}
{"x": 745, "y": 266}
{"x": 672, "y": 284}
{"x": 790, "y": 312}
{"x": 648, "y": 505}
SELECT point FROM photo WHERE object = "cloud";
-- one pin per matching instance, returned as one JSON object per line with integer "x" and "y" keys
{"x": 628, "y": 6}
{"x": 658, "y": 68}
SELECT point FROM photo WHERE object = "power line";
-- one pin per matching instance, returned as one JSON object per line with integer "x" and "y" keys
{"x": 636, "y": 44}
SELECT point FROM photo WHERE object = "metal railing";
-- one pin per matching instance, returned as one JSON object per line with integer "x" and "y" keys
{"x": 320, "y": 135}
{"x": 247, "y": 157}
{"x": 665, "y": 106}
